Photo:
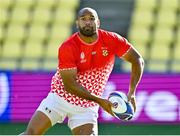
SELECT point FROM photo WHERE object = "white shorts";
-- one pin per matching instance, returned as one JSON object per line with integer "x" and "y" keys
{"x": 57, "y": 109}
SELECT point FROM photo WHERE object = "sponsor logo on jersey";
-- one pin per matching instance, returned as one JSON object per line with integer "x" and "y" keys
{"x": 82, "y": 57}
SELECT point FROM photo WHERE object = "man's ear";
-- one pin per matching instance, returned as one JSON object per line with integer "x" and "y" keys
{"x": 77, "y": 24}
{"x": 98, "y": 23}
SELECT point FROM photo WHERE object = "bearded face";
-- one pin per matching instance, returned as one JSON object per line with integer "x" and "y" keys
{"x": 88, "y": 23}
{"x": 87, "y": 30}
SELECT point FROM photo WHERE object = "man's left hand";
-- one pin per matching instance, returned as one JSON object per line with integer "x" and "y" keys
{"x": 132, "y": 99}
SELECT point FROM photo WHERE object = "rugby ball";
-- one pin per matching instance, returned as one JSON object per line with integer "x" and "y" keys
{"x": 122, "y": 109}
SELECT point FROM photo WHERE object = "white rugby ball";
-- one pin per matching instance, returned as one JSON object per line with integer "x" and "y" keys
{"x": 122, "y": 109}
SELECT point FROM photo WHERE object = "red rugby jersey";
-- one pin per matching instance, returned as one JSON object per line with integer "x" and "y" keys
{"x": 94, "y": 63}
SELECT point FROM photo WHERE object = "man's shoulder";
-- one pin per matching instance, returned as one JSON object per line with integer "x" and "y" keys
{"x": 106, "y": 33}
{"x": 69, "y": 42}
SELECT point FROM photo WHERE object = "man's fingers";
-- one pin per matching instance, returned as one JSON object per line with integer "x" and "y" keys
{"x": 110, "y": 108}
{"x": 134, "y": 104}
{"x": 110, "y": 111}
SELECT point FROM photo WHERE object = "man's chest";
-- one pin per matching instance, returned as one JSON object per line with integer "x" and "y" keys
{"x": 89, "y": 57}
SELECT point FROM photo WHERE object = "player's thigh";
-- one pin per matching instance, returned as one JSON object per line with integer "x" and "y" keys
{"x": 47, "y": 114}
{"x": 84, "y": 123}
{"x": 38, "y": 124}
{"x": 86, "y": 129}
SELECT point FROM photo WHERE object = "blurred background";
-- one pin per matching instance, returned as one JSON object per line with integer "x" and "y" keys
{"x": 32, "y": 30}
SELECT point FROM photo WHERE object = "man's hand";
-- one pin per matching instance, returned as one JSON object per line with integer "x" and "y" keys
{"x": 106, "y": 105}
{"x": 132, "y": 99}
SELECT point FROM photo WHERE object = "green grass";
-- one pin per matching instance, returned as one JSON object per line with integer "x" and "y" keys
{"x": 104, "y": 129}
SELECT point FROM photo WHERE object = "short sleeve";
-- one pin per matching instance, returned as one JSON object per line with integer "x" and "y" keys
{"x": 66, "y": 58}
{"x": 121, "y": 45}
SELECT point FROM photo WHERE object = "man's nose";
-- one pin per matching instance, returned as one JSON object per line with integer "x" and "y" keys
{"x": 88, "y": 22}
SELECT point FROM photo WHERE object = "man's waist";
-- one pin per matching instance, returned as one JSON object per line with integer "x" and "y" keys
{"x": 75, "y": 100}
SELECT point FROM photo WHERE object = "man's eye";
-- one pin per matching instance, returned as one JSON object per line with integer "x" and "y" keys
{"x": 83, "y": 18}
{"x": 92, "y": 18}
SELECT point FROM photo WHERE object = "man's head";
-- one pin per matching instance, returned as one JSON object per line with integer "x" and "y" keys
{"x": 87, "y": 22}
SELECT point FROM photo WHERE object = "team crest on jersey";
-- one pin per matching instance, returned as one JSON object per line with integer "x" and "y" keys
{"x": 105, "y": 52}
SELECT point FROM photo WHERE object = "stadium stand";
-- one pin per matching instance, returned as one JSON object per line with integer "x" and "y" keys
{"x": 176, "y": 57}
{"x": 153, "y": 32}
{"x": 31, "y": 31}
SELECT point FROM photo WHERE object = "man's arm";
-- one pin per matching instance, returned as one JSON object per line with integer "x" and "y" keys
{"x": 137, "y": 63}
{"x": 70, "y": 84}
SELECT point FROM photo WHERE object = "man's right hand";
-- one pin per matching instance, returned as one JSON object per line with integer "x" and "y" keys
{"x": 106, "y": 105}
